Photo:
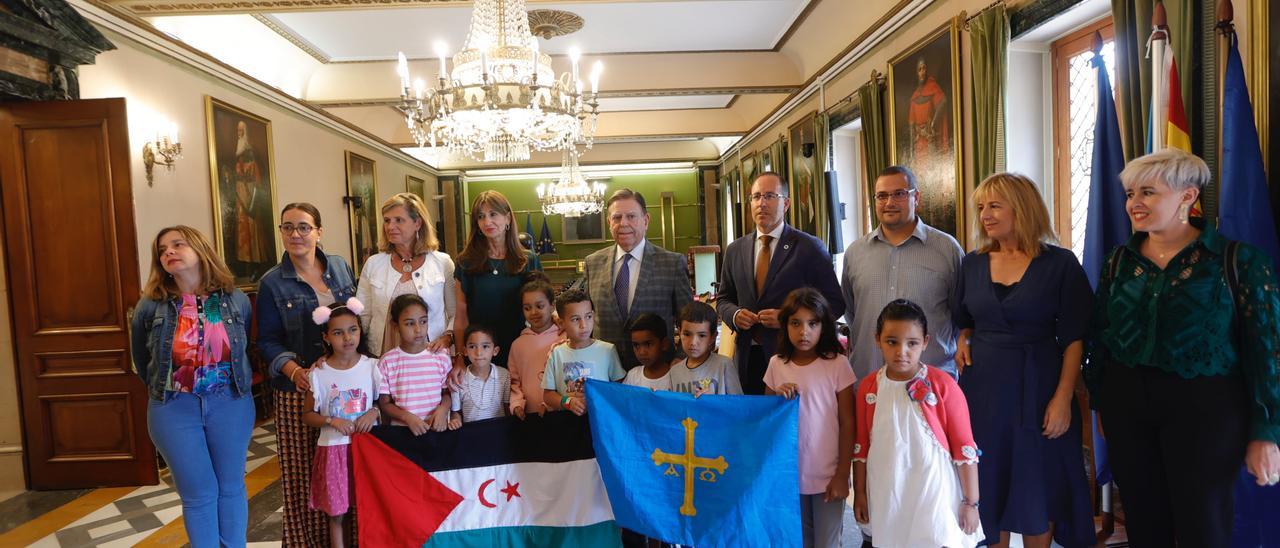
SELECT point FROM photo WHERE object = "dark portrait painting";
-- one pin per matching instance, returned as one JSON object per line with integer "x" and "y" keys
{"x": 243, "y": 177}
{"x": 805, "y": 177}
{"x": 362, "y": 183}
{"x": 924, "y": 105}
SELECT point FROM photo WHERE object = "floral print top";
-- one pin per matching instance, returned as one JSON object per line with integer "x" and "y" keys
{"x": 201, "y": 347}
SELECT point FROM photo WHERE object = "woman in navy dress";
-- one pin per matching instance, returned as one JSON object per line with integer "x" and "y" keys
{"x": 1023, "y": 309}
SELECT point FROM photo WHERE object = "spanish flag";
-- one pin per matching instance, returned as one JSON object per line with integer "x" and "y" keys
{"x": 1168, "y": 127}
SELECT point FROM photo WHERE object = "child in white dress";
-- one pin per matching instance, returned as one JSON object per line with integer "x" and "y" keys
{"x": 915, "y": 463}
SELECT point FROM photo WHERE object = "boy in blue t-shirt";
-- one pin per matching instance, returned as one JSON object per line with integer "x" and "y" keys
{"x": 579, "y": 358}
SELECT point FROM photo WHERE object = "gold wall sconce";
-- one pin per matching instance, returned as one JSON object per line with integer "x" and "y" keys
{"x": 164, "y": 150}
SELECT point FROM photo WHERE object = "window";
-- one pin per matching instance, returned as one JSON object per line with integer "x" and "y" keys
{"x": 1075, "y": 111}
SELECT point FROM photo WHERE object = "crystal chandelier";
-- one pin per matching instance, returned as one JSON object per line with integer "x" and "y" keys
{"x": 571, "y": 195}
{"x": 502, "y": 98}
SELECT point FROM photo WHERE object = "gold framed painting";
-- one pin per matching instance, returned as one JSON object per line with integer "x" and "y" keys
{"x": 751, "y": 168}
{"x": 362, "y": 187}
{"x": 805, "y": 179}
{"x": 924, "y": 124}
{"x": 242, "y": 176}
{"x": 415, "y": 186}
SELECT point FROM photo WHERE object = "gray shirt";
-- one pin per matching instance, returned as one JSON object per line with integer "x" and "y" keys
{"x": 717, "y": 375}
{"x": 924, "y": 269}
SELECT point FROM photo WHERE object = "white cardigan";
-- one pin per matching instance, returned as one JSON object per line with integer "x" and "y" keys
{"x": 378, "y": 279}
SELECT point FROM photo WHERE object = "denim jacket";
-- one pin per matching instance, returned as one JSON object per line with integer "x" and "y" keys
{"x": 151, "y": 341}
{"x": 285, "y": 302}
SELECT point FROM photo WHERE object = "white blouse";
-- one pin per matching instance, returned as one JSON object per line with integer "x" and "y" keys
{"x": 433, "y": 280}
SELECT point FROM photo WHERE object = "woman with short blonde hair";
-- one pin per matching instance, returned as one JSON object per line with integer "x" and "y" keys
{"x": 409, "y": 262}
{"x": 1182, "y": 363}
{"x": 1022, "y": 305}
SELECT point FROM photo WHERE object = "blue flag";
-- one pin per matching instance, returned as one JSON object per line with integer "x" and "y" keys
{"x": 1244, "y": 214}
{"x": 528, "y": 229}
{"x": 1244, "y": 210}
{"x": 1108, "y": 222}
{"x": 544, "y": 240}
{"x": 715, "y": 471}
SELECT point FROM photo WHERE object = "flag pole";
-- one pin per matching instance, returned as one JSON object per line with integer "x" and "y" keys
{"x": 1156, "y": 116}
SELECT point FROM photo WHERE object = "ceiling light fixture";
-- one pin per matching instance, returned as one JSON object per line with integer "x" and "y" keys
{"x": 502, "y": 99}
{"x": 572, "y": 195}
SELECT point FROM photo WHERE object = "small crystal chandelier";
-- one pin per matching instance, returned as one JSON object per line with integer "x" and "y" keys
{"x": 571, "y": 195}
{"x": 502, "y": 99}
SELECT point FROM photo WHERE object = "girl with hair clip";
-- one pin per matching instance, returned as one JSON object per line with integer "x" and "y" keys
{"x": 344, "y": 390}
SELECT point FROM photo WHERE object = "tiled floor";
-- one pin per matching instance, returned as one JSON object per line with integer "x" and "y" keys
{"x": 151, "y": 515}
{"x": 142, "y": 516}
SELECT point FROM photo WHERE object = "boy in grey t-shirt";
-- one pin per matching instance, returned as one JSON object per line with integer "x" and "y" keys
{"x": 702, "y": 371}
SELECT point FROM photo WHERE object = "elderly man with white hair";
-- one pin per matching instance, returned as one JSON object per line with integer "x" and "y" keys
{"x": 1184, "y": 360}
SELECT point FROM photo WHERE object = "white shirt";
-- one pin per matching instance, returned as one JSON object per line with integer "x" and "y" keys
{"x": 343, "y": 393}
{"x": 377, "y": 286}
{"x": 633, "y": 266}
{"x": 482, "y": 399}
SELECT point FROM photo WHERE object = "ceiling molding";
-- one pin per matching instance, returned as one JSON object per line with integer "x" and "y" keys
{"x": 877, "y": 32}
{"x": 294, "y": 38}
{"x": 655, "y": 138}
{"x": 795, "y": 25}
{"x": 584, "y": 53}
{"x": 128, "y": 24}
{"x": 204, "y": 7}
{"x": 682, "y": 92}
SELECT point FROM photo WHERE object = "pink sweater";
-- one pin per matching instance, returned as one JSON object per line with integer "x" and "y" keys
{"x": 526, "y": 363}
{"x": 941, "y": 402}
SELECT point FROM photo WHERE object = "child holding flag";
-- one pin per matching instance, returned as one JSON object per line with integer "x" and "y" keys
{"x": 580, "y": 358}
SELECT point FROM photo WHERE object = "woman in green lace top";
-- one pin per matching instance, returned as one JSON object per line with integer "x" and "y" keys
{"x": 1183, "y": 364}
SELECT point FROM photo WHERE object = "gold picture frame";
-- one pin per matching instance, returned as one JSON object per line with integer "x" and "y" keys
{"x": 804, "y": 178}
{"x": 416, "y": 186}
{"x": 925, "y": 131}
{"x": 362, "y": 185}
{"x": 244, "y": 190}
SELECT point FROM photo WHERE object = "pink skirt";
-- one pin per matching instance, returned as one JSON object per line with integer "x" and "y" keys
{"x": 332, "y": 484}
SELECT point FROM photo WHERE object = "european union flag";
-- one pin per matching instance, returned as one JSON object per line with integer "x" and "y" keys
{"x": 716, "y": 471}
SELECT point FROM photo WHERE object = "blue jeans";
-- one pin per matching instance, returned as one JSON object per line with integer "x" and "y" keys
{"x": 204, "y": 439}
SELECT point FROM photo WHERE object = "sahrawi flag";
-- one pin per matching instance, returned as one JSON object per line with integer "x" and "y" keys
{"x": 708, "y": 472}
{"x": 500, "y": 482}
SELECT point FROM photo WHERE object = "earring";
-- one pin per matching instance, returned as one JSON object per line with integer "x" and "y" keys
{"x": 1184, "y": 213}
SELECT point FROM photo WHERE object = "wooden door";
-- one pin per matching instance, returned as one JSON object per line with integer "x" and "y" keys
{"x": 71, "y": 257}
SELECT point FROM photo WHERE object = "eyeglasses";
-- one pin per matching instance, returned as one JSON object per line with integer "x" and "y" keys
{"x": 897, "y": 195}
{"x": 302, "y": 229}
{"x": 766, "y": 196}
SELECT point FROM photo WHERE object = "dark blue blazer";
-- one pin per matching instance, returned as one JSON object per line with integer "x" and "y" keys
{"x": 799, "y": 260}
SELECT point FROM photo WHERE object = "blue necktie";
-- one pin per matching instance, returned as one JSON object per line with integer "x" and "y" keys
{"x": 622, "y": 286}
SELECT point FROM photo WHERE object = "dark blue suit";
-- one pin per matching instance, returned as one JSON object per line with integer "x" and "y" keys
{"x": 799, "y": 260}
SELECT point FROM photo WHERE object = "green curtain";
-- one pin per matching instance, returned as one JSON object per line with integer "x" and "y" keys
{"x": 989, "y": 57}
{"x": 875, "y": 143}
{"x": 1132, "y": 20}
{"x": 822, "y": 152}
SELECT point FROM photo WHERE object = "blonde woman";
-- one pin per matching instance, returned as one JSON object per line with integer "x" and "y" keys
{"x": 1023, "y": 307}
{"x": 189, "y": 335}
{"x": 410, "y": 262}
{"x": 1183, "y": 365}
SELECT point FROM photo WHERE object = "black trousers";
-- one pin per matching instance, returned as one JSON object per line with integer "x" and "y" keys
{"x": 752, "y": 376}
{"x": 1175, "y": 448}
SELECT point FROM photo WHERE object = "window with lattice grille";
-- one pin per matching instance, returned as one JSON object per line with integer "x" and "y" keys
{"x": 1075, "y": 91}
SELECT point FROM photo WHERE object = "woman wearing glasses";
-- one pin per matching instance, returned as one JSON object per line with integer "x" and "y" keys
{"x": 409, "y": 262}
{"x": 289, "y": 341}
{"x": 1023, "y": 306}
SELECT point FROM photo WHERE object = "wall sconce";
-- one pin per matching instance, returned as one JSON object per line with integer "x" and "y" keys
{"x": 164, "y": 146}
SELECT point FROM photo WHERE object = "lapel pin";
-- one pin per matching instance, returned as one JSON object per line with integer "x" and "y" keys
{"x": 786, "y": 246}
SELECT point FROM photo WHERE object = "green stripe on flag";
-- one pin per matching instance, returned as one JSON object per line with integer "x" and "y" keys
{"x": 602, "y": 534}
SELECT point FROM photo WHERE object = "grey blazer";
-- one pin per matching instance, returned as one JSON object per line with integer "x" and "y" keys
{"x": 663, "y": 288}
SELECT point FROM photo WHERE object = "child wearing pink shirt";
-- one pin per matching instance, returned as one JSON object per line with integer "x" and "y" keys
{"x": 809, "y": 365}
{"x": 528, "y": 357}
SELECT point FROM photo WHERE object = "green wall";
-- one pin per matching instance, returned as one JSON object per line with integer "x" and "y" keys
{"x": 523, "y": 195}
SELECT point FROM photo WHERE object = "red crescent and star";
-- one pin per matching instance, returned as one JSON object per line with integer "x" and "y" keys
{"x": 512, "y": 490}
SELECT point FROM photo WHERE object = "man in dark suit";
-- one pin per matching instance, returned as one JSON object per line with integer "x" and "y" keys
{"x": 633, "y": 276}
{"x": 758, "y": 272}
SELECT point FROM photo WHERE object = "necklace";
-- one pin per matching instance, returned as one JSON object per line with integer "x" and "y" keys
{"x": 406, "y": 265}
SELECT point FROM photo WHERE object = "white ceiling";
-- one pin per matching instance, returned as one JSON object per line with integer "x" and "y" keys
{"x": 669, "y": 102}
{"x": 610, "y": 27}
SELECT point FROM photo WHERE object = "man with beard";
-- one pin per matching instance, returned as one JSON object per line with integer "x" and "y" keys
{"x": 926, "y": 117}
{"x": 760, "y": 270}
{"x": 252, "y": 206}
{"x": 901, "y": 259}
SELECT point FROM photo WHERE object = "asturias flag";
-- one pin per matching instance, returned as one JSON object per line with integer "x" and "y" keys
{"x": 501, "y": 482}
{"x": 712, "y": 471}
